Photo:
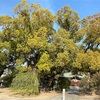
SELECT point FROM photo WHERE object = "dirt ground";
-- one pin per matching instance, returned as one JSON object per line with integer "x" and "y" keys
{"x": 7, "y": 93}
{"x": 93, "y": 96}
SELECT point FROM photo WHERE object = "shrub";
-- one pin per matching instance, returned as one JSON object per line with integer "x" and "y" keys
{"x": 7, "y": 80}
{"x": 63, "y": 83}
{"x": 25, "y": 83}
{"x": 86, "y": 86}
{"x": 96, "y": 82}
{"x": 85, "y": 83}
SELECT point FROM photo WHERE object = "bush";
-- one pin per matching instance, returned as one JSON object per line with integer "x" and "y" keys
{"x": 85, "y": 82}
{"x": 63, "y": 83}
{"x": 96, "y": 82}
{"x": 25, "y": 83}
{"x": 86, "y": 87}
{"x": 7, "y": 80}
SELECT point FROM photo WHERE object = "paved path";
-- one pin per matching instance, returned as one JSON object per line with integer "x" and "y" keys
{"x": 73, "y": 97}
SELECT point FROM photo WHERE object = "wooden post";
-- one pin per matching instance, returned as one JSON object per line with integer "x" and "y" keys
{"x": 63, "y": 94}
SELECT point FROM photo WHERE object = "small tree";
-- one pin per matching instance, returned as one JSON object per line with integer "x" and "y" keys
{"x": 63, "y": 83}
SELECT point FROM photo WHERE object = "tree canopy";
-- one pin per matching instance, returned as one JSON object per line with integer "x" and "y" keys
{"x": 30, "y": 37}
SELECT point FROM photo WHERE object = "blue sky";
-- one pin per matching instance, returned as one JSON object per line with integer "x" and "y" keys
{"x": 83, "y": 7}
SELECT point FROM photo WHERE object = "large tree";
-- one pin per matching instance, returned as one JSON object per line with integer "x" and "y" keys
{"x": 30, "y": 37}
{"x": 68, "y": 20}
{"x": 32, "y": 22}
{"x": 91, "y": 40}
{"x": 88, "y": 62}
